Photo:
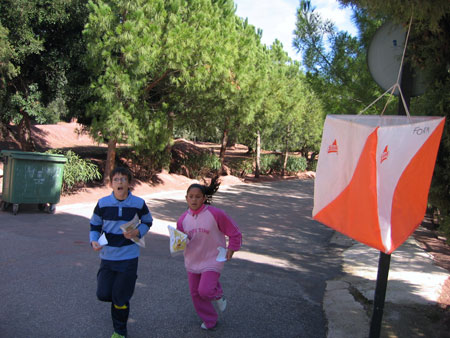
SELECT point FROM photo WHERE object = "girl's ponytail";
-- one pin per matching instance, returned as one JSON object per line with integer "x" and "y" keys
{"x": 211, "y": 189}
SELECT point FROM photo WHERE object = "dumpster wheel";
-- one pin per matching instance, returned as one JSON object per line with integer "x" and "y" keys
{"x": 15, "y": 208}
{"x": 50, "y": 208}
{"x": 4, "y": 205}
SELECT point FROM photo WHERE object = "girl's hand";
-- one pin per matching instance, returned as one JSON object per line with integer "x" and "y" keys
{"x": 131, "y": 234}
{"x": 229, "y": 254}
{"x": 96, "y": 246}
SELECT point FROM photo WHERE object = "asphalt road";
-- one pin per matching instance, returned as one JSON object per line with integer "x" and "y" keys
{"x": 274, "y": 286}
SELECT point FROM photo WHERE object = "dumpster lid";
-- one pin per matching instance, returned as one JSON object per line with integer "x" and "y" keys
{"x": 33, "y": 156}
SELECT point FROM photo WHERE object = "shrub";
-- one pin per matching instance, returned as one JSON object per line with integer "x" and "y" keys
{"x": 143, "y": 165}
{"x": 241, "y": 167}
{"x": 312, "y": 165}
{"x": 201, "y": 164}
{"x": 295, "y": 164}
{"x": 76, "y": 171}
{"x": 269, "y": 164}
{"x": 273, "y": 164}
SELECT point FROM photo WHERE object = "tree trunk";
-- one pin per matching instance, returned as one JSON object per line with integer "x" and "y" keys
{"x": 25, "y": 138}
{"x": 286, "y": 150}
{"x": 310, "y": 159}
{"x": 7, "y": 133}
{"x": 168, "y": 149}
{"x": 258, "y": 154}
{"x": 231, "y": 141}
{"x": 110, "y": 160}
{"x": 223, "y": 148}
{"x": 286, "y": 155}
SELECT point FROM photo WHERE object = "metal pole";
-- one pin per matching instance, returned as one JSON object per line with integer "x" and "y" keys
{"x": 380, "y": 295}
{"x": 406, "y": 85}
{"x": 385, "y": 260}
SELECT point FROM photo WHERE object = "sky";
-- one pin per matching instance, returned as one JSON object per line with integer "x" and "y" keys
{"x": 277, "y": 18}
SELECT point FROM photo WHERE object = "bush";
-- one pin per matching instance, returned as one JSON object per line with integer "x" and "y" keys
{"x": 295, "y": 164}
{"x": 241, "y": 167}
{"x": 273, "y": 164}
{"x": 440, "y": 184}
{"x": 312, "y": 165}
{"x": 142, "y": 165}
{"x": 269, "y": 164}
{"x": 76, "y": 171}
{"x": 201, "y": 164}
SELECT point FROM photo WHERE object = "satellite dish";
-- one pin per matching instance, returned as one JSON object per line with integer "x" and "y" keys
{"x": 385, "y": 56}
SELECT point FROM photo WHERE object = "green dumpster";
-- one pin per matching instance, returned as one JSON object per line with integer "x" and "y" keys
{"x": 32, "y": 178}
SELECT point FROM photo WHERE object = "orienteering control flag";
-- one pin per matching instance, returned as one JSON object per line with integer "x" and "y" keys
{"x": 374, "y": 174}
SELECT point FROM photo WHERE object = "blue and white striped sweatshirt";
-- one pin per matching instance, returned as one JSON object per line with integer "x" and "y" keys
{"x": 109, "y": 214}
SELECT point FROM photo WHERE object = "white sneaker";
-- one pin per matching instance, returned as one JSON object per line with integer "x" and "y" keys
{"x": 203, "y": 327}
{"x": 221, "y": 304}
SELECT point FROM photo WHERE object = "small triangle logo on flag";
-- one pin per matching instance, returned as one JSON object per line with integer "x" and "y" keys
{"x": 333, "y": 148}
{"x": 385, "y": 154}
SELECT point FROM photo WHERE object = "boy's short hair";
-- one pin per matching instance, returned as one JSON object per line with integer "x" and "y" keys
{"x": 121, "y": 170}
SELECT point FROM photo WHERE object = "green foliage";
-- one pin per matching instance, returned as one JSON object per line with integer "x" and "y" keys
{"x": 201, "y": 164}
{"x": 76, "y": 171}
{"x": 273, "y": 164}
{"x": 137, "y": 71}
{"x": 227, "y": 84}
{"x": 7, "y": 68}
{"x": 427, "y": 15}
{"x": 270, "y": 163}
{"x": 338, "y": 74}
{"x": 143, "y": 165}
{"x": 162, "y": 160}
{"x": 241, "y": 167}
{"x": 122, "y": 49}
{"x": 439, "y": 197}
{"x": 292, "y": 115}
{"x": 40, "y": 72}
{"x": 295, "y": 164}
{"x": 31, "y": 104}
{"x": 311, "y": 165}
{"x": 444, "y": 226}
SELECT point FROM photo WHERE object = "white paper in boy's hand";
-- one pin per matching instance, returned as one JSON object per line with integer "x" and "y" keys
{"x": 222, "y": 255}
{"x": 102, "y": 240}
{"x": 131, "y": 225}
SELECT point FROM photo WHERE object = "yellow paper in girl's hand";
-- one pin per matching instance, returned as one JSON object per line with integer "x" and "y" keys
{"x": 178, "y": 240}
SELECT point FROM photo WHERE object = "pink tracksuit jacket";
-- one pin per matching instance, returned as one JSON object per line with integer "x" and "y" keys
{"x": 206, "y": 229}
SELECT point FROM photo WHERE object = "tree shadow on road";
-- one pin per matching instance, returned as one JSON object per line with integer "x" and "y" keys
{"x": 278, "y": 230}
{"x": 275, "y": 219}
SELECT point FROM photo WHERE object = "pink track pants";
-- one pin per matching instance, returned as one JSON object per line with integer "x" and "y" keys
{"x": 205, "y": 288}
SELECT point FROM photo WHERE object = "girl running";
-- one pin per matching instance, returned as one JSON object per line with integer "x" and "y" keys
{"x": 206, "y": 227}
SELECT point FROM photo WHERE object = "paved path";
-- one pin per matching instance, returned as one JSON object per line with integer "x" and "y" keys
{"x": 275, "y": 285}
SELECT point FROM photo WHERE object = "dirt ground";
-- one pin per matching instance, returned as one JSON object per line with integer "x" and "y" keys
{"x": 70, "y": 135}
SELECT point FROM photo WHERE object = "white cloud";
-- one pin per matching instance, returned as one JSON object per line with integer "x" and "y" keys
{"x": 340, "y": 16}
{"x": 277, "y": 18}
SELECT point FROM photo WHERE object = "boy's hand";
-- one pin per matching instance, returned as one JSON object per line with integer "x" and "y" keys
{"x": 229, "y": 254}
{"x": 131, "y": 234}
{"x": 96, "y": 246}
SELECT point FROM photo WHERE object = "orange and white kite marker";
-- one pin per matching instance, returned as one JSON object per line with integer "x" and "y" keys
{"x": 373, "y": 176}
